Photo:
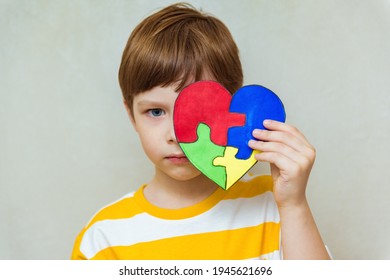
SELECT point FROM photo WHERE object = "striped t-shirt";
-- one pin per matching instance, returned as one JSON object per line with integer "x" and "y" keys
{"x": 240, "y": 223}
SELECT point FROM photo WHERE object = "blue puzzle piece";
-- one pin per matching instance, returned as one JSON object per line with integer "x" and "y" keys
{"x": 258, "y": 103}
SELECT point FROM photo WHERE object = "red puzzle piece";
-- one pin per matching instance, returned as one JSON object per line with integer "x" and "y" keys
{"x": 211, "y": 107}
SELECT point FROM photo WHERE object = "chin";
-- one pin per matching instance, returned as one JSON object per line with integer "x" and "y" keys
{"x": 185, "y": 176}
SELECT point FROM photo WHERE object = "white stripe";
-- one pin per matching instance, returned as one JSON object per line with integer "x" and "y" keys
{"x": 228, "y": 214}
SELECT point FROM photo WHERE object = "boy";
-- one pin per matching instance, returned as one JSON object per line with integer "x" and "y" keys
{"x": 180, "y": 213}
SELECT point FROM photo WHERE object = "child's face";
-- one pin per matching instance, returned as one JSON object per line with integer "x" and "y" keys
{"x": 153, "y": 121}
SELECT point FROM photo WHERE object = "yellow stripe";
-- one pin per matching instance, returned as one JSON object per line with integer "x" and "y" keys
{"x": 244, "y": 243}
{"x": 76, "y": 253}
{"x": 182, "y": 213}
{"x": 251, "y": 188}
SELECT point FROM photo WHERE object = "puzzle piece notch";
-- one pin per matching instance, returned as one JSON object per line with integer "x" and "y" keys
{"x": 264, "y": 105}
{"x": 205, "y": 102}
{"x": 235, "y": 168}
{"x": 202, "y": 152}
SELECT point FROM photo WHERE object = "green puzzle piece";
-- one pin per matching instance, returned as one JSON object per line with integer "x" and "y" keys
{"x": 202, "y": 154}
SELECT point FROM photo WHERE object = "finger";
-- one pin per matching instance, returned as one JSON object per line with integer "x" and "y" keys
{"x": 280, "y": 137}
{"x": 302, "y": 158}
{"x": 283, "y": 163}
{"x": 280, "y": 126}
{"x": 273, "y": 147}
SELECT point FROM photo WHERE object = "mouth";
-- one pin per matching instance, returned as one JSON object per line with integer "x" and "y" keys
{"x": 177, "y": 158}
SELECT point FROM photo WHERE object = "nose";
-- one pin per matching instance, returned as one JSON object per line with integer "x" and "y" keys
{"x": 171, "y": 136}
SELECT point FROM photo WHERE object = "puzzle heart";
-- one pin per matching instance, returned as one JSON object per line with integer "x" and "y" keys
{"x": 213, "y": 127}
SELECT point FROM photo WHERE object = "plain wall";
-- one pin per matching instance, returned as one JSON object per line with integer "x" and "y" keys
{"x": 67, "y": 146}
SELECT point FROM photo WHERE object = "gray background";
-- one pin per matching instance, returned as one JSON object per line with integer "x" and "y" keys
{"x": 67, "y": 147}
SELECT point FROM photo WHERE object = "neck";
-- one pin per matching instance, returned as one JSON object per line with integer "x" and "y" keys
{"x": 166, "y": 192}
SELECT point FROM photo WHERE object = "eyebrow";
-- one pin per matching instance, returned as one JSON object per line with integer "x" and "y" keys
{"x": 150, "y": 103}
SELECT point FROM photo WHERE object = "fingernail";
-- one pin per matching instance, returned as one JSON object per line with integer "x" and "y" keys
{"x": 267, "y": 122}
{"x": 251, "y": 142}
{"x": 256, "y": 132}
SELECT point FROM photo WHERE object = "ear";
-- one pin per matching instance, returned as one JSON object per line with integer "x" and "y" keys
{"x": 130, "y": 115}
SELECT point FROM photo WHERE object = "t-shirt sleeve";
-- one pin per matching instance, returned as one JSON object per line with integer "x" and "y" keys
{"x": 76, "y": 253}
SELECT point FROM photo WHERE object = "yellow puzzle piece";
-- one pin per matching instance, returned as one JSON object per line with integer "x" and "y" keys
{"x": 235, "y": 168}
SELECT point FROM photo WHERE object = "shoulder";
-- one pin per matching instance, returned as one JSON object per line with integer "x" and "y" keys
{"x": 122, "y": 208}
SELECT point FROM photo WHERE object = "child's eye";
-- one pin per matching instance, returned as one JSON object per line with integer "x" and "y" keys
{"x": 156, "y": 112}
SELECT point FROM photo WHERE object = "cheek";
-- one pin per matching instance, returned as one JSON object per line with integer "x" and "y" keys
{"x": 150, "y": 144}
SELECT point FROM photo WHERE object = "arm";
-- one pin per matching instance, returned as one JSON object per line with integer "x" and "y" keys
{"x": 291, "y": 158}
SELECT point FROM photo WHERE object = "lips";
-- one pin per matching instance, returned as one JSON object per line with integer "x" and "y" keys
{"x": 179, "y": 158}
